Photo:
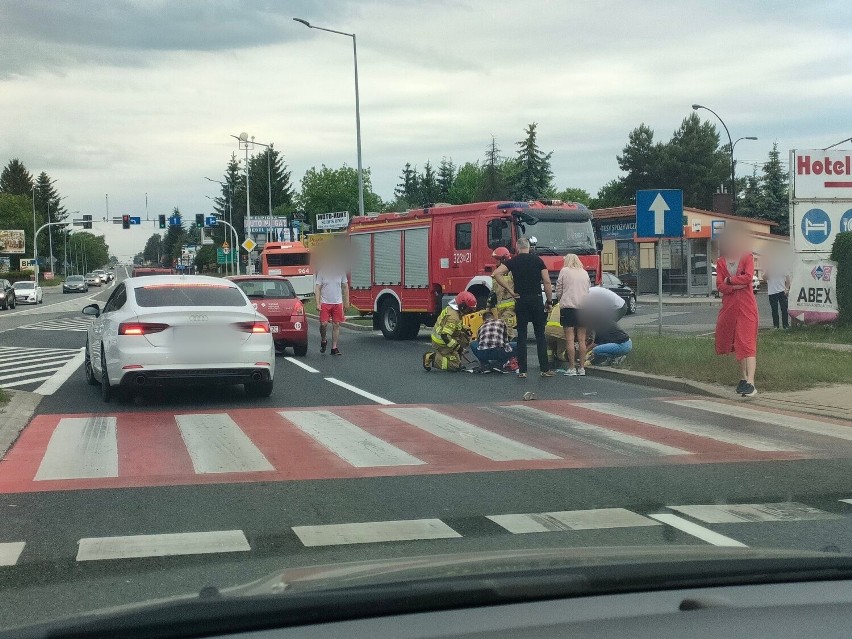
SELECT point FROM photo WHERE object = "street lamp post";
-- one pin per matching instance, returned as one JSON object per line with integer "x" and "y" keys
{"x": 234, "y": 237}
{"x": 357, "y": 107}
{"x": 246, "y": 143}
{"x": 35, "y": 244}
{"x": 50, "y": 232}
{"x": 837, "y": 144}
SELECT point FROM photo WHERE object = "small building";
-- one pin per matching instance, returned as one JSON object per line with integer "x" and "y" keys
{"x": 687, "y": 262}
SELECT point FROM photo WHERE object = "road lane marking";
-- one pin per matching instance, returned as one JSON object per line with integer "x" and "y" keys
{"x": 702, "y": 533}
{"x": 60, "y": 324}
{"x": 590, "y": 434}
{"x": 571, "y": 520}
{"x": 348, "y": 441}
{"x": 473, "y": 438}
{"x": 24, "y": 382}
{"x": 739, "y": 412}
{"x": 37, "y": 369}
{"x": 23, "y": 358}
{"x": 81, "y": 448}
{"x": 217, "y": 445}
{"x": 691, "y": 427}
{"x": 359, "y": 391}
{"x": 136, "y": 546}
{"x": 62, "y": 375}
{"x": 10, "y": 552}
{"x": 293, "y": 360}
{"x": 374, "y": 532}
{"x": 745, "y": 513}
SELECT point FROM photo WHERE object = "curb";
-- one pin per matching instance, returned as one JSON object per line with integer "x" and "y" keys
{"x": 349, "y": 325}
{"x": 680, "y": 385}
{"x": 14, "y": 416}
{"x": 686, "y": 301}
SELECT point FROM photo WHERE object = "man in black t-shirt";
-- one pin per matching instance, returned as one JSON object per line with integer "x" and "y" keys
{"x": 529, "y": 274}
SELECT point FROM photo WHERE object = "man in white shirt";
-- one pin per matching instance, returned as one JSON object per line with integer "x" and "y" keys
{"x": 603, "y": 304}
{"x": 778, "y": 287}
{"x": 331, "y": 292}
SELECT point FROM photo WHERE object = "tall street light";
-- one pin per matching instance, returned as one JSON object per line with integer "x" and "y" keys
{"x": 357, "y": 108}
{"x": 837, "y": 144}
{"x": 731, "y": 144}
{"x": 247, "y": 144}
{"x": 232, "y": 233}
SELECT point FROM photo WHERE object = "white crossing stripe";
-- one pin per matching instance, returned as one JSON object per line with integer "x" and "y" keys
{"x": 81, "y": 448}
{"x": 348, "y": 441}
{"x": 744, "y": 513}
{"x": 702, "y": 533}
{"x": 10, "y": 551}
{"x": 360, "y": 391}
{"x": 62, "y": 324}
{"x": 571, "y": 520}
{"x": 295, "y": 361}
{"x": 217, "y": 445}
{"x": 374, "y": 532}
{"x": 61, "y": 376}
{"x": 476, "y": 440}
{"x": 32, "y": 366}
{"x": 691, "y": 427}
{"x": 740, "y": 413}
{"x": 590, "y": 434}
{"x": 24, "y": 382}
{"x": 136, "y": 546}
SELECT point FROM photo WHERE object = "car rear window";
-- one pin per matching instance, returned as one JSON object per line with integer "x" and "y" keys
{"x": 267, "y": 288}
{"x": 188, "y": 295}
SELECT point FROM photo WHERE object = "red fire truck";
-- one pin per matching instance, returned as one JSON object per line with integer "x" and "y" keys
{"x": 407, "y": 266}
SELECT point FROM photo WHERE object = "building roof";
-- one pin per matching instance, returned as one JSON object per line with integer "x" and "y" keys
{"x": 617, "y": 212}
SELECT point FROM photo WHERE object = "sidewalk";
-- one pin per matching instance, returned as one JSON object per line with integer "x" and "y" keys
{"x": 678, "y": 300}
{"x": 826, "y": 401}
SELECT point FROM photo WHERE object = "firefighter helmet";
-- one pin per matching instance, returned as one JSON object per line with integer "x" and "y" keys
{"x": 501, "y": 253}
{"x": 466, "y": 299}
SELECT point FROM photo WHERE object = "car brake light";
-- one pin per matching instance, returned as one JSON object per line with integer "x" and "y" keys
{"x": 253, "y": 327}
{"x": 298, "y": 309}
{"x": 140, "y": 328}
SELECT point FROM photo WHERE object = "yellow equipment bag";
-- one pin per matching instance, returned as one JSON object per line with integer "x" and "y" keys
{"x": 473, "y": 321}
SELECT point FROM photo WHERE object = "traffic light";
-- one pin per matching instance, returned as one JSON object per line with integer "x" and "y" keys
{"x": 162, "y": 220}
{"x": 87, "y": 221}
{"x": 125, "y": 221}
{"x": 199, "y": 220}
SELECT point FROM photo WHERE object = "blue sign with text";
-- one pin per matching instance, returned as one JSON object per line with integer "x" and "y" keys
{"x": 659, "y": 213}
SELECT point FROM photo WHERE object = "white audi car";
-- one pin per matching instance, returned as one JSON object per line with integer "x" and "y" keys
{"x": 28, "y": 293}
{"x": 165, "y": 330}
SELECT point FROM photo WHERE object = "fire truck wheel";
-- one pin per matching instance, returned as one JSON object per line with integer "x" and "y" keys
{"x": 411, "y": 326}
{"x": 391, "y": 320}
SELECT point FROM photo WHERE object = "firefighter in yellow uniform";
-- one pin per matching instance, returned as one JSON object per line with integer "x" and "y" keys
{"x": 555, "y": 335}
{"x": 450, "y": 337}
{"x": 501, "y": 298}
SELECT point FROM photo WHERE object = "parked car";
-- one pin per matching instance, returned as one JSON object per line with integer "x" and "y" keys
{"x": 275, "y": 298}
{"x": 75, "y": 284}
{"x": 162, "y": 331}
{"x": 93, "y": 280}
{"x": 611, "y": 282}
{"x": 28, "y": 293}
{"x": 7, "y": 295}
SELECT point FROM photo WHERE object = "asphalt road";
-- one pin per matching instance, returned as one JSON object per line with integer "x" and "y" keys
{"x": 367, "y": 456}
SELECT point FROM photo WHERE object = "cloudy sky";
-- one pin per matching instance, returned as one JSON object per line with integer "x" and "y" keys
{"x": 129, "y": 97}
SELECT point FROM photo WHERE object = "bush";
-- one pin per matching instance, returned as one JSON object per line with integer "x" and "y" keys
{"x": 17, "y": 276}
{"x": 841, "y": 253}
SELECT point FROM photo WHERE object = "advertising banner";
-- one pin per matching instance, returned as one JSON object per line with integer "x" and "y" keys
{"x": 822, "y": 174}
{"x": 328, "y": 221}
{"x": 816, "y": 224}
{"x": 5, "y": 264}
{"x": 813, "y": 298}
{"x": 12, "y": 242}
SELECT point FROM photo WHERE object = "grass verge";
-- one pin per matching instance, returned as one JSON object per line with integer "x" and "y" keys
{"x": 4, "y": 397}
{"x": 781, "y": 365}
{"x": 828, "y": 334}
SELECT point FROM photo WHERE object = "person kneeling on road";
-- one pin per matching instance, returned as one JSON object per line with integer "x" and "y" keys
{"x": 450, "y": 337}
{"x": 611, "y": 347}
{"x": 492, "y": 346}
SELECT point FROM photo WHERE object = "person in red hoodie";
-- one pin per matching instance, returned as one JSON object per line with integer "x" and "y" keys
{"x": 736, "y": 327}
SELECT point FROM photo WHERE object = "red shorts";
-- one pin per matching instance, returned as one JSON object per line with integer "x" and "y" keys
{"x": 333, "y": 312}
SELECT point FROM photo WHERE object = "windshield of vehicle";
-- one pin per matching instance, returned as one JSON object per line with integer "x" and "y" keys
{"x": 188, "y": 295}
{"x": 74, "y": 278}
{"x": 564, "y": 237}
{"x": 267, "y": 288}
{"x": 287, "y": 259}
{"x": 23, "y": 285}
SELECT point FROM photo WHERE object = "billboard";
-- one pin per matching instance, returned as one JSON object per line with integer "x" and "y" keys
{"x": 813, "y": 298}
{"x": 329, "y": 221}
{"x": 822, "y": 174}
{"x": 12, "y": 242}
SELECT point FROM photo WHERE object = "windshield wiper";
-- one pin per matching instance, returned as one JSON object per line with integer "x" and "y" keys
{"x": 546, "y": 250}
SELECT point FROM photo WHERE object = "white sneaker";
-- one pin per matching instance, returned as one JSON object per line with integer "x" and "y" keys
{"x": 581, "y": 372}
{"x": 571, "y": 372}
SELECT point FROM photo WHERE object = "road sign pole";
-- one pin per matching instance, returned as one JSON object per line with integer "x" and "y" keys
{"x": 660, "y": 287}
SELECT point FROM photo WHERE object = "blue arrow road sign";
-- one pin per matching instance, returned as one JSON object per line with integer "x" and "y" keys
{"x": 659, "y": 213}
{"x": 174, "y": 220}
{"x": 210, "y": 221}
{"x": 136, "y": 220}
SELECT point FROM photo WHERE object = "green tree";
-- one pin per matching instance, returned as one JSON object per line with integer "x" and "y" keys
{"x": 48, "y": 200}
{"x": 534, "y": 176}
{"x": 775, "y": 206}
{"x": 493, "y": 183}
{"x": 467, "y": 184}
{"x": 641, "y": 161}
{"x": 446, "y": 176}
{"x": 428, "y": 190}
{"x": 153, "y": 249}
{"x": 15, "y": 179}
{"x": 609, "y": 195}
{"x": 574, "y": 195}
{"x": 173, "y": 241}
{"x": 16, "y": 213}
{"x": 326, "y": 190}
{"x": 87, "y": 251}
{"x": 749, "y": 196}
{"x": 206, "y": 258}
{"x": 259, "y": 175}
{"x": 235, "y": 188}
{"x": 407, "y": 190}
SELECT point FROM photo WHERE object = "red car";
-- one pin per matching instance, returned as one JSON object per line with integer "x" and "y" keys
{"x": 275, "y": 298}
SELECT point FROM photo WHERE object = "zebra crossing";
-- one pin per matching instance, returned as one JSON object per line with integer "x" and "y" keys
{"x": 33, "y": 369}
{"x": 80, "y": 324}
{"x": 58, "y": 452}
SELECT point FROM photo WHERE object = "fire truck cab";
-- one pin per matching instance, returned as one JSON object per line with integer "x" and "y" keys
{"x": 407, "y": 266}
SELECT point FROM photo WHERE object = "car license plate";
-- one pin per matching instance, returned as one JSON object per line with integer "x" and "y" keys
{"x": 274, "y": 328}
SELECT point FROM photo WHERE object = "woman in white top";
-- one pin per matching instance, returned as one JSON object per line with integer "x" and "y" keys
{"x": 572, "y": 289}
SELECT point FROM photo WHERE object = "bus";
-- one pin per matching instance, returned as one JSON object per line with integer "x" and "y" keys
{"x": 291, "y": 260}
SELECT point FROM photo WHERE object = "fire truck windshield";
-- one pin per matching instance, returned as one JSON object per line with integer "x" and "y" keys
{"x": 565, "y": 237}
